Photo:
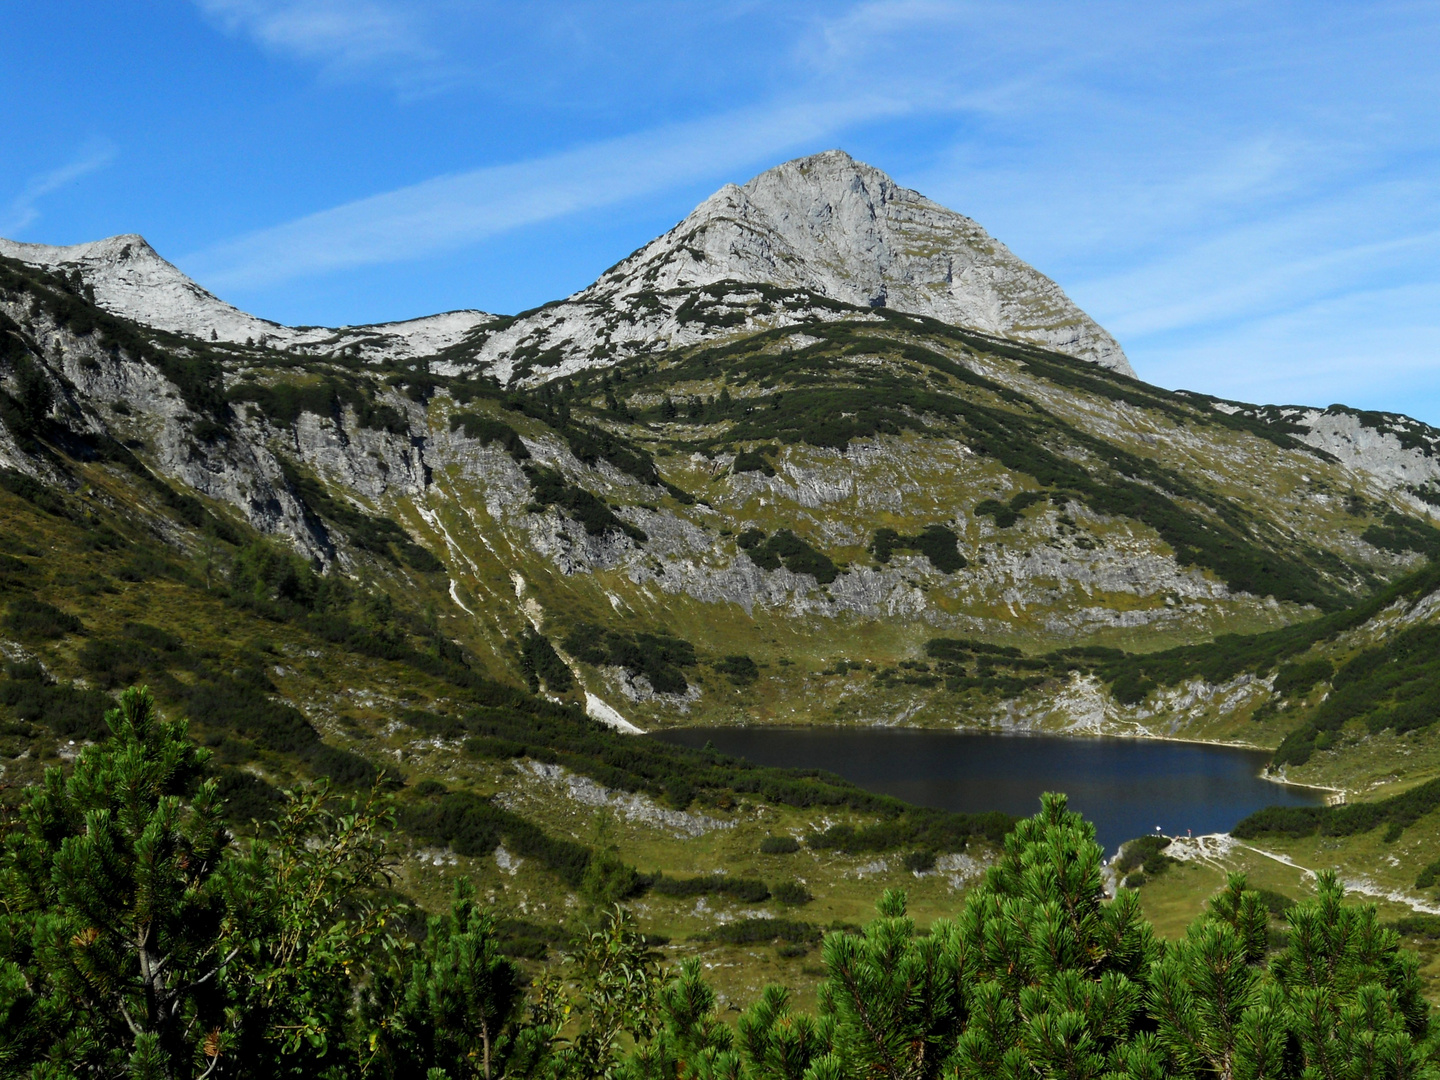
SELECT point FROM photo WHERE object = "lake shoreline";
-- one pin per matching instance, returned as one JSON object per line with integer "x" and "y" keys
{"x": 1334, "y": 795}
{"x": 1126, "y": 784}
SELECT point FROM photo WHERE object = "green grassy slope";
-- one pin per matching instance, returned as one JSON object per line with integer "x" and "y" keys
{"x": 860, "y": 519}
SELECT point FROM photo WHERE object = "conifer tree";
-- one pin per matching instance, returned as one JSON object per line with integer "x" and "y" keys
{"x": 897, "y": 1000}
{"x": 461, "y": 1003}
{"x": 1209, "y": 995}
{"x": 781, "y": 1044}
{"x": 115, "y": 919}
{"x": 1053, "y": 973}
{"x": 1351, "y": 994}
{"x": 691, "y": 1042}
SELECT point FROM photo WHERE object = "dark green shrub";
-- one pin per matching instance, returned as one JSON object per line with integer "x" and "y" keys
{"x": 1131, "y": 688}
{"x": 919, "y": 862}
{"x": 1400, "y": 533}
{"x": 937, "y": 543}
{"x": 755, "y": 931}
{"x": 283, "y": 402}
{"x": 486, "y": 429}
{"x": 792, "y": 893}
{"x": 373, "y": 533}
{"x": 473, "y": 826}
{"x": 551, "y": 489}
{"x": 779, "y": 845}
{"x": 33, "y": 492}
{"x": 785, "y": 547}
{"x": 1300, "y": 677}
{"x": 35, "y": 619}
{"x": 885, "y": 543}
{"x": 1350, "y": 819}
{"x": 343, "y": 767}
{"x": 659, "y": 657}
{"x": 1429, "y": 876}
{"x": 540, "y": 661}
{"x": 745, "y": 890}
{"x": 1145, "y": 852}
{"x": 1423, "y": 926}
{"x": 1275, "y": 903}
{"x": 247, "y": 797}
{"x": 1001, "y": 512}
{"x": 608, "y": 880}
{"x": 940, "y": 546}
{"x": 740, "y": 670}
{"x": 33, "y": 697}
{"x": 752, "y": 461}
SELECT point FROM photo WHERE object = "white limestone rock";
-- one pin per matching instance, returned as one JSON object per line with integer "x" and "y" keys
{"x": 1394, "y": 453}
{"x": 130, "y": 279}
{"x": 835, "y": 226}
{"x": 825, "y": 226}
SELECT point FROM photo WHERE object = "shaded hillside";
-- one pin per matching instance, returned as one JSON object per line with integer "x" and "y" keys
{"x": 339, "y": 556}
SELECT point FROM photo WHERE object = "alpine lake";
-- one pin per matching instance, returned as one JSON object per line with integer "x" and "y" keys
{"x": 1127, "y": 787}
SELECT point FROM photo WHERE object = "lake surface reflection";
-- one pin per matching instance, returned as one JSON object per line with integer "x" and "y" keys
{"x": 1125, "y": 786}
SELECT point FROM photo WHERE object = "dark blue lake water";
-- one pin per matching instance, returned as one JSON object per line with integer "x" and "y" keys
{"x": 1125, "y": 786}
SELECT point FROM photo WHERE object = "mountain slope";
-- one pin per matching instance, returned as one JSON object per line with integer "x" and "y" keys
{"x": 733, "y": 501}
{"x": 834, "y": 226}
{"x": 127, "y": 277}
{"x": 824, "y": 228}
{"x": 1077, "y": 505}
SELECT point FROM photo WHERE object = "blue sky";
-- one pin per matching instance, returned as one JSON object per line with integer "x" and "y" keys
{"x": 1245, "y": 194}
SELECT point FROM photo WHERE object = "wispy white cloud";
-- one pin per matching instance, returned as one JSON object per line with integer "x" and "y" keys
{"x": 24, "y": 209}
{"x": 1371, "y": 348}
{"x": 342, "y": 36}
{"x": 1204, "y": 176}
{"x": 449, "y": 212}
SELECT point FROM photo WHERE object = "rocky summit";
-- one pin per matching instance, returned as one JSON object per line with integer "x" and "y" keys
{"x": 825, "y": 452}
{"x": 826, "y": 227}
{"x": 839, "y": 228}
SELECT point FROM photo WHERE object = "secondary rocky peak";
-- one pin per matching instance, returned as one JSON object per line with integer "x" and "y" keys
{"x": 131, "y": 279}
{"x": 839, "y": 227}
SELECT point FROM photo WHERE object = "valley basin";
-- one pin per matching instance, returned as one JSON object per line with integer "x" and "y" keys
{"x": 1126, "y": 786}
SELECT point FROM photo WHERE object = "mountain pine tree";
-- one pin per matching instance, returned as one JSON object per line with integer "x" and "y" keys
{"x": 459, "y": 1006}
{"x": 137, "y": 941}
{"x": 115, "y": 919}
{"x": 1053, "y": 974}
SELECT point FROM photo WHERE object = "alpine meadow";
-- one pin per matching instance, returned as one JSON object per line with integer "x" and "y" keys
{"x": 336, "y": 663}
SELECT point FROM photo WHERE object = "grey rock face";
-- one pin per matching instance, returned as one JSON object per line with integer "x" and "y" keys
{"x": 1390, "y": 453}
{"x": 838, "y": 227}
{"x": 130, "y": 279}
{"x": 825, "y": 225}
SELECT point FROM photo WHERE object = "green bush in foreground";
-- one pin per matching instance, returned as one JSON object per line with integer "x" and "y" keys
{"x": 137, "y": 939}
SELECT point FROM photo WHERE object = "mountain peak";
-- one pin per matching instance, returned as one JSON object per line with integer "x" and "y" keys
{"x": 130, "y": 278}
{"x": 133, "y": 280}
{"x": 844, "y": 229}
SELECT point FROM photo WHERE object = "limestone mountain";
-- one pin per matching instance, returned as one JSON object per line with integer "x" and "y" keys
{"x": 822, "y": 228}
{"x": 724, "y": 483}
{"x": 839, "y": 228}
{"x": 125, "y": 276}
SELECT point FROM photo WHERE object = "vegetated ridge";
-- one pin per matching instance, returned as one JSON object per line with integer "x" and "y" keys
{"x": 775, "y": 466}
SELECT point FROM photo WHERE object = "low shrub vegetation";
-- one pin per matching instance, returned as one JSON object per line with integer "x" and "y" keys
{"x": 144, "y": 940}
{"x": 936, "y": 542}
{"x": 786, "y": 548}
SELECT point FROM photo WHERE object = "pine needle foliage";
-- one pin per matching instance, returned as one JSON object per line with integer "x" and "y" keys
{"x": 138, "y": 940}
